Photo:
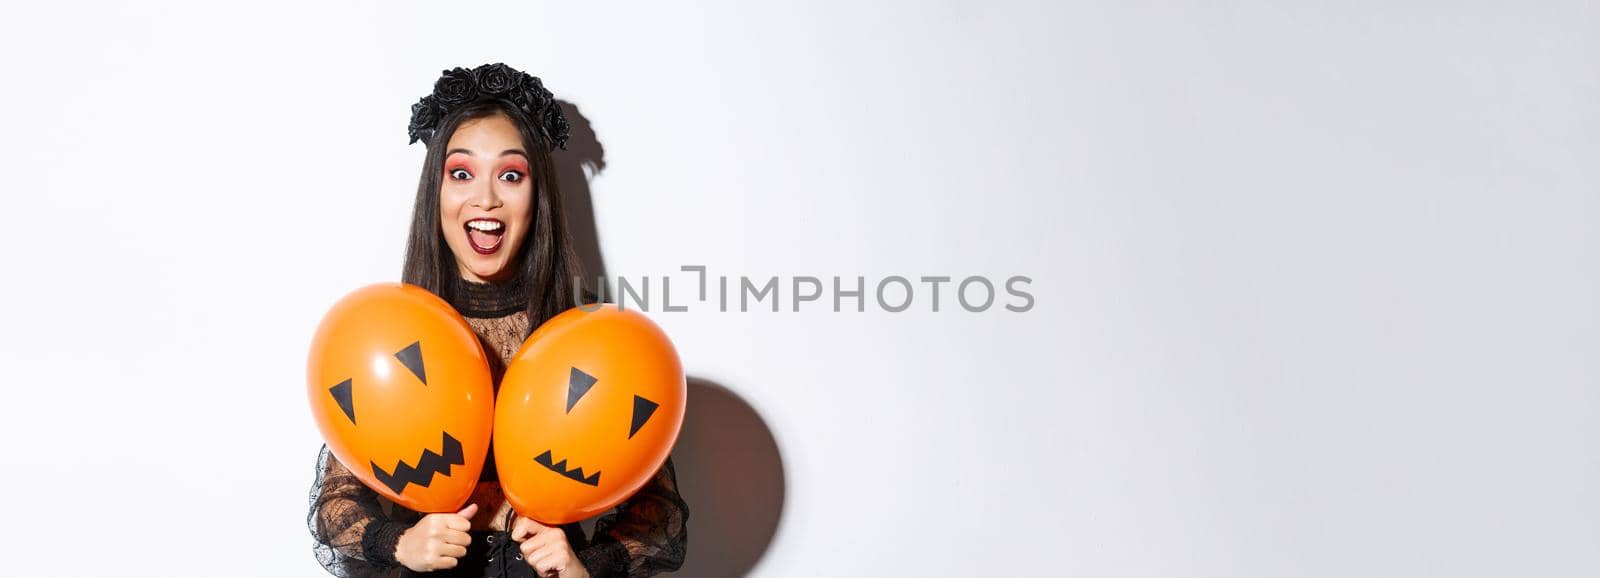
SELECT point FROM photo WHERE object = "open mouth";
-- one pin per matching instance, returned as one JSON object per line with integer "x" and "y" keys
{"x": 429, "y": 464}
{"x": 485, "y": 234}
{"x": 574, "y": 474}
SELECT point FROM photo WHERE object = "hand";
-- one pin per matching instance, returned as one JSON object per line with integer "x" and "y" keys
{"x": 545, "y": 548}
{"x": 437, "y": 541}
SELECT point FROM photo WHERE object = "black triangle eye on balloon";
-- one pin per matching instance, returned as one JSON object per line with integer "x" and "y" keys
{"x": 411, "y": 357}
{"x": 642, "y": 410}
{"x": 341, "y": 396}
{"x": 579, "y": 383}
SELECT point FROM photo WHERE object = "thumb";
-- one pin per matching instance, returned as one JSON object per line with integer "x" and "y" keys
{"x": 525, "y": 527}
{"x": 468, "y": 511}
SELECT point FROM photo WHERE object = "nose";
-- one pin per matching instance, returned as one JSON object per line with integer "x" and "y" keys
{"x": 486, "y": 196}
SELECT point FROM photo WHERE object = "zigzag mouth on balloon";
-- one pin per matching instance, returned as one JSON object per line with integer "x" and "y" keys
{"x": 429, "y": 464}
{"x": 575, "y": 474}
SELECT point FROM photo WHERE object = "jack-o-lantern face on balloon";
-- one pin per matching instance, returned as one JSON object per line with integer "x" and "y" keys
{"x": 587, "y": 412}
{"x": 402, "y": 393}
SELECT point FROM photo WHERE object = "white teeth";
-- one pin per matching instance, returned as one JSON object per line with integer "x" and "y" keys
{"x": 486, "y": 226}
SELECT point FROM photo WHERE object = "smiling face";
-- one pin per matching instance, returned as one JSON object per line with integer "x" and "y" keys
{"x": 486, "y": 197}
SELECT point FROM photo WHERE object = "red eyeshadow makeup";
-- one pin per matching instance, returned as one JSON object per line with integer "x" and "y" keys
{"x": 515, "y": 164}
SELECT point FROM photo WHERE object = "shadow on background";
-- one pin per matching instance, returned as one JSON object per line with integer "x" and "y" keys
{"x": 729, "y": 469}
{"x": 583, "y": 159}
{"x": 730, "y": 473}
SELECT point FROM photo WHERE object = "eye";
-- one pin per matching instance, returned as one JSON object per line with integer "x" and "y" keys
{"x": 511, "y": 176}
{"x": 411, "y": 357}
{"x": 341, "y": 396}
{"x": 578, "y": 383}
{"x": 642, "y": 410}
{"x": 460, "y": 174}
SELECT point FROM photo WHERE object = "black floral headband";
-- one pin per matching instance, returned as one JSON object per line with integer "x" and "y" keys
{"x": 459, "y": 86}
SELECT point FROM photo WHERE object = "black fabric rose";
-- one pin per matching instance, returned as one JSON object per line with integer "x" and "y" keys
{"x": 555, "y": 125}
{"x": 527, "y": 100}
{"x": 424, "y": 115}
{"x": 457, "y": 86}
{"x": 497, "y": 79}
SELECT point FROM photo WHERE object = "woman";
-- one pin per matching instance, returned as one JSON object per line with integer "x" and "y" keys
{"x": 488, "y": 236}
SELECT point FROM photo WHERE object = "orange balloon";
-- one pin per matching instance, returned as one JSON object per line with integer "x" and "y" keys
{"x": 587, "y": 413}
{"x": 402, "y": 393}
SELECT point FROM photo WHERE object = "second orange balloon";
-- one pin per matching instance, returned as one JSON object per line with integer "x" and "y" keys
{"x": 588, "y": 411}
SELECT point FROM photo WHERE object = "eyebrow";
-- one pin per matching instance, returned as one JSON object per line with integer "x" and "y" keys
{"x": 502, "y": 153}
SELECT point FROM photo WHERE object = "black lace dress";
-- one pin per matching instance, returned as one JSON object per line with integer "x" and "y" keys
{"x": 356, "y": 530}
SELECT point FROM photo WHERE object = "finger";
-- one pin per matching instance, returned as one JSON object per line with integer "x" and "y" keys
{"x": 525, "y": 533}
{"x": 443, "y": 562}
{"x": 522, "y": 528}
{"x": 540, "y": 561}
{"x": 469, "y": 511}
{"x": 550, "y": 531}
{"x": 452, "y": 550}
{"x": 534, "y": 552}
{"x": 455, "y": 537}
{"x": 457, "y": 522}
{"x": 554, "y": 553}
{"x": 544, "y": 540}
{"x": 550, "y": 565}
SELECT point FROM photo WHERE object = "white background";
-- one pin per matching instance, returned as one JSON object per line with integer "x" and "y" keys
{"x": 1315, "y": 283}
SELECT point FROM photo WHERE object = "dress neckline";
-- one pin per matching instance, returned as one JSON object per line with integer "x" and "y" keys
{"x": 487, "y": 300}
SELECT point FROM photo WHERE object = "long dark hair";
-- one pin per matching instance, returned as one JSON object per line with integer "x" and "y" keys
{"x": 548, "y": 264}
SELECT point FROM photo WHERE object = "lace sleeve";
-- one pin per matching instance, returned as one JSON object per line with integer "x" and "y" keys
{"x": 355, "y": 538}
{"x": 646, "y": 535}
